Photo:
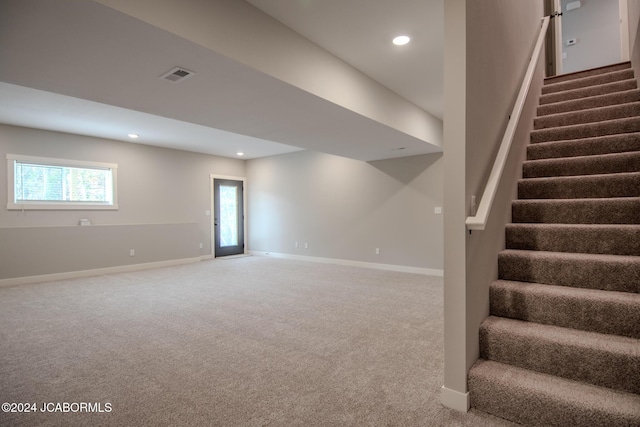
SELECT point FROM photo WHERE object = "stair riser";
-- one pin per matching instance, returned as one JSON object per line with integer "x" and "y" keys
{"x": 588, "y": 116}
{"x": 550, "y": 305}
{"x": 588, "y": 130}
{"x": 591, "y": 211}
{"x": 589, "y": 91}
{"x": 600, "y": 79}
{"x": 585, "y": 147}
{"x": 592, "y": 274}
{"x": 542, "y": 400}
{"x": 624, "y": 240}
{"x": 591, "y": 102}
{"x": 587, "y": 165}
{"x": 587, "y": 73}
{"x": 596, "y": 186}
{"x": 550, "y": 355}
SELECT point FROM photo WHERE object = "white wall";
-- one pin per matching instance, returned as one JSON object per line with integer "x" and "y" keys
{"x": 487, "y": 49}
{"x": 161, "y": 192}
{"x": 345, "y": 209}
{"x": 596, "y": 27}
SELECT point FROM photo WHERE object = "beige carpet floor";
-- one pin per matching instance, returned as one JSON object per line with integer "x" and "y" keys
{"x": 251, "y": 341}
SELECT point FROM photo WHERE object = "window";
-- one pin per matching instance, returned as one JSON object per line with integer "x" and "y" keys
{"x": 46, "y": 183}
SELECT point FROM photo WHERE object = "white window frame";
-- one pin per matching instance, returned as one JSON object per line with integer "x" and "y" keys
{"x": 58, "y": 205}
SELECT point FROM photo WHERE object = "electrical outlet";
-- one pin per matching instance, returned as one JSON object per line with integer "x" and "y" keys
{"x": 132, "y": 252}
{"x": 306, "y": 245}
{"x": 201, "y": 246}
{"x": 297, "y": 244}
{"x": 377, "y": 251}
{"x": 437, "y": 210}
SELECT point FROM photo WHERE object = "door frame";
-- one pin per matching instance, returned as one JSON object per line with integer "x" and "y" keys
{"x": 212, "y": 177}
{"x": 557, "y": 30}
{"x": 623, "y": 6}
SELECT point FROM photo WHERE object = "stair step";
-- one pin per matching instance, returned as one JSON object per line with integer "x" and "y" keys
{"x": 606, "y": 360}
{"x": 588, "y": 130}
{"x": 533, "y": 398}
{"x": 620, "y": 143}
{"x": 593, "y": 271}
{"x": 622, "y": 210}
{"x": 600, "y": 79}
{"x": 591, "y": 115}
{"x": 593, "y": 310}
{"x": 583, "y": 165}
{"x": 591, "y": 102}
{"x": 581, "y": 187}
{"x": 587, "y": 73}
{"x": 613, "y": 239}
{"x": 586, "y": 92}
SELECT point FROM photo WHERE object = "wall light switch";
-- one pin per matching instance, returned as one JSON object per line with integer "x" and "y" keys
{"x": 437, "y": 210}
{"x": 207, "y": 213}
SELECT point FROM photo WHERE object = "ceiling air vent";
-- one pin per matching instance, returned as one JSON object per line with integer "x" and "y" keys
{"x": 177, "y": 75}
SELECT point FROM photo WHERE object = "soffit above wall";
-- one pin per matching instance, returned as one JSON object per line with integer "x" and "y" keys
{"x": 91, "y": 52}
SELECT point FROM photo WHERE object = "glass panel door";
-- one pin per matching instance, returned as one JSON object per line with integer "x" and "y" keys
{"x": 228, "y": 218}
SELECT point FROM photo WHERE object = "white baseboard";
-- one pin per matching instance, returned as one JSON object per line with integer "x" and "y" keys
{"x": 454, "y": 399}
{"x": 95, "y": 272}
{"x": 389, "y": 267}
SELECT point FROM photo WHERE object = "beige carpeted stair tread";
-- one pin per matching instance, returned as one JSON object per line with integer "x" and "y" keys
{"x": 573, "y": 187}
{"x": 582, "y": 165}
{"x": 590, "y": 102}
{"x": 606, "y": 312}
{"x": 536, "y": 399}
{"x": 601, "y": 359}
{"x": 581, "y": 82}
{"x": 587, "y": 73}
{"x": 588, "y": 130}
{"x": 590, "y": 115}
{"x": 612, "y": 239}
{"x": 619, "y": 143}
{"x": 586, "y": 92}
{"x": 594, "y": 271}
{"x": 621, "y": 210}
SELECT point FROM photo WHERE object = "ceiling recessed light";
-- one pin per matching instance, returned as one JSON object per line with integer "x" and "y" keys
{"x": 401, "y": 40}
{"x": 240, "y": 153}
{"x": 133, "y": 135}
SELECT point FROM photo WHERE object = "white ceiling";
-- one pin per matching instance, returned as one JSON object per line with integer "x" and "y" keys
{"x": 360, "y": 32}
{"x": 66, "y": 69}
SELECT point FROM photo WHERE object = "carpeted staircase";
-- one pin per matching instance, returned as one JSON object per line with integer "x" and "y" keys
{"x": 562, "y": 344}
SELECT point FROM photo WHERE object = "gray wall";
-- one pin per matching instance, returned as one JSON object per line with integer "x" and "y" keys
{"x": 163, "y": 195}
{"x": 344, "y": 209}
{"x": 487, "y": 49}
{"x": 596, "y": 26}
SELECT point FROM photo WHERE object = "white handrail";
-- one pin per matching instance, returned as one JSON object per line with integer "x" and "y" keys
{"x": 479, "y": 220}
